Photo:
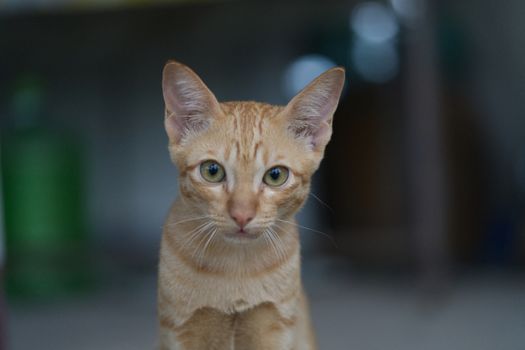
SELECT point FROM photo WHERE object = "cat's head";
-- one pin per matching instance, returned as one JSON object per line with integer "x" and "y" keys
{"x": 246, "y": 165}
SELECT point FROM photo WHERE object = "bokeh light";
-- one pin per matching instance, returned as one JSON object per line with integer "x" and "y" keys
{"x": 374, "y": 22}
{"x": 303, "y": 70}
{"x": 407, "y": 9}
{"x": 372, "y": 53}
{"x": 377, "y": 63}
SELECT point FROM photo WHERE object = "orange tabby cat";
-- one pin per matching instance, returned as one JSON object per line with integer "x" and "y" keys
{"x": 229, "y": 273}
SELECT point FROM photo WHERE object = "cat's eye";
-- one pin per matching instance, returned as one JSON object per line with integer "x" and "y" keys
{"x": 212, "y": 171}
{"x": 276, "y": 176}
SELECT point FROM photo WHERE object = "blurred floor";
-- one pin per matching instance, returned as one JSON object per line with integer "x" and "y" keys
{"x": 482, "y": 310}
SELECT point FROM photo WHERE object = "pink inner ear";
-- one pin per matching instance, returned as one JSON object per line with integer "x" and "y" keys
{"x": 173, "y": 128}
{"x": 321, "y": 136}
{"x": 189, "y": 103}
{"x": 310, "y": 112}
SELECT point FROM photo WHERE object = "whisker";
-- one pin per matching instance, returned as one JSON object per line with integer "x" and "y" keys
{"x": 332, "y": 239}
{"x": 188, "y": 220}
{"x": 320, "y": 201}
{"x": 212, "y": 236}
{"x": 202, "y": 240}
{"x": 271, "y": 240}
{"x": 199, "y": 228}
{"x": 265, "y": 237}
{"x": 193, "y": 234}
{"x": 279, "y": 242}
{"x": 197, "y": 248}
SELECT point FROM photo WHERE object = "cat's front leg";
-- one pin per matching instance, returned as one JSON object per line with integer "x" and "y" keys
{"x": 207, "y": 329}
{"x": 262, "y": 328}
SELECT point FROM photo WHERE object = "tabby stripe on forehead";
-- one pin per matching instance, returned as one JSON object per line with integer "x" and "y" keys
{"x": 227, "y": 151}
{"x": 260, "y": 126}
{"x": 235, "y": 123}
{"x": 249, "y": 134}
{"x": 256, "y": 148}
{"x": 237, "y": 148}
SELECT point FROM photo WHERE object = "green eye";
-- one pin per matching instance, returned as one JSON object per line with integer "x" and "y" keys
{"x": 276, "y": 176}
{"x": 212, "y": 171}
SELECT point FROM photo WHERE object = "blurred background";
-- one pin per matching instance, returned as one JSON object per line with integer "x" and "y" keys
{"x": 416, "y": 234}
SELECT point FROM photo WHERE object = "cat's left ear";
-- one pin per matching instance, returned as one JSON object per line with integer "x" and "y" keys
{"x": 311, "y": 111}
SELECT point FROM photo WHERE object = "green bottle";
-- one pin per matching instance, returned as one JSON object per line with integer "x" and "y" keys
{"x": 43, "y": 201}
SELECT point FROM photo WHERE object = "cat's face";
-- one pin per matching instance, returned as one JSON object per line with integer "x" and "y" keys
{"x": 246, "y": 166}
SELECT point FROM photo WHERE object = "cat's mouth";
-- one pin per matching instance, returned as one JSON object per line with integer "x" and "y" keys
{"x": 243, "y": 234}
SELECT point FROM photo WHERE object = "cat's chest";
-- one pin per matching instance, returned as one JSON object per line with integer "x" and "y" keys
{"x": 190, "y": 290}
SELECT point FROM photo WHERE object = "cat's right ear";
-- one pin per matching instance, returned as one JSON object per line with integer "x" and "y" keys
{"x": 190, "y": 105}
{"x": 311, "y": 111}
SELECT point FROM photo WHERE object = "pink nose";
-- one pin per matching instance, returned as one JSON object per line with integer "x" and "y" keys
{"x": 242, "y": 216}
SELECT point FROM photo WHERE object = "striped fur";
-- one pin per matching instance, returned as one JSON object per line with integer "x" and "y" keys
{"x": 218, "y": 289}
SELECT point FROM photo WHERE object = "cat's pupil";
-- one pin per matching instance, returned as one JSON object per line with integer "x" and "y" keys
{"x": 275, "y": 173}
{"x": 213, "y": 169}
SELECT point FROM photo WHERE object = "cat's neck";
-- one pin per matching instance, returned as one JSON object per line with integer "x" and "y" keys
{"x": 220, "y": 256}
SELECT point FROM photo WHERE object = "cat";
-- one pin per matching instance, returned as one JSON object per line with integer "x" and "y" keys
{"x": 229, "y": 271}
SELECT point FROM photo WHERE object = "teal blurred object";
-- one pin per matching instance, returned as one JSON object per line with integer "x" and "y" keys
{"x": 44, "y": 205}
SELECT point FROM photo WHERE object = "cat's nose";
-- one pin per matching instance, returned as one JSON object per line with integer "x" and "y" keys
{"x": 242, "y": 215}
